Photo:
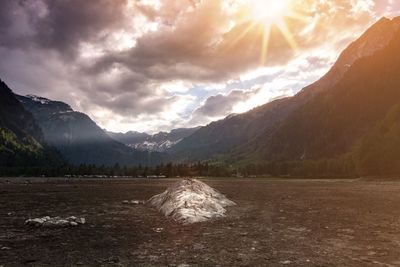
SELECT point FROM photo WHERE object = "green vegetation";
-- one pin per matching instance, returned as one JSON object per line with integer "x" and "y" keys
{"x": 16, "y": 152}
{"x": 379, "y": 151}
{"x": 26, "y": 153}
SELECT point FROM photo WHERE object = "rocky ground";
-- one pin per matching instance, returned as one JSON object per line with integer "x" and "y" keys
{"x": 275, "y": 223}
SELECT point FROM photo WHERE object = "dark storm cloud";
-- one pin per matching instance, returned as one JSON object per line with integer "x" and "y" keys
{"x": 70, "y": 22}
{"x": 61, "y": 25}
{"x": 130, "y": 95}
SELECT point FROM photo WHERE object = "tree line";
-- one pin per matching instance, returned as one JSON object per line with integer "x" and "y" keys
{"x": 91, "y": 170}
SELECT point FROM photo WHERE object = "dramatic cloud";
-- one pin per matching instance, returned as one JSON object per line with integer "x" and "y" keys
{"x": 219, "y": 104}
{"x": 151, "y": 65}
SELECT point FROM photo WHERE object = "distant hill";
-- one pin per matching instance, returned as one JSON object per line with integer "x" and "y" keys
{"x": 158, "y": 142}
{"x": 21, "y": 140}
{"x": 79, "y": 138}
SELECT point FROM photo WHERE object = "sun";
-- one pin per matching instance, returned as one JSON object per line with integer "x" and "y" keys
{"x": 268, "y": 11}
{"x": 265, "y": 14}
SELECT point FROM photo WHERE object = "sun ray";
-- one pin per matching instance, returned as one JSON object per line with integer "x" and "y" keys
{"x": 265, "y": 43}
{"x": 287, "y": 34}
{"x": 243, "y": 34}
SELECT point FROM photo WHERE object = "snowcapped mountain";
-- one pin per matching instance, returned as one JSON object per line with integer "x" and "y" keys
{"x": 159, "y": 142}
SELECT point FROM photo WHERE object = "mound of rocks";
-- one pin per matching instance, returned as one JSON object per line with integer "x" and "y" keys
{"x": 47, "y": 221}
{"x": 191, "y": 201}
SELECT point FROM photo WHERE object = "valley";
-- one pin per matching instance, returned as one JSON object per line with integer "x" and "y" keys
{"x": 277, "y": 222}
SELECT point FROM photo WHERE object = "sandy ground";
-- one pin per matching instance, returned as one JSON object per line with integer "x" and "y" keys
{"x": 276, "y": 223}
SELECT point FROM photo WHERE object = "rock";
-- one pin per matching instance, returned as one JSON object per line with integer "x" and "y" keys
{"x": 55, "y": 221}
{"x": 5, "y": 248}
{"x": 62, "y": 222}
{"x": 132, "y": 202}
{"x": 158, "y": 230}
{"x": 191, "y": 201}
{"x": 35, "y": 222}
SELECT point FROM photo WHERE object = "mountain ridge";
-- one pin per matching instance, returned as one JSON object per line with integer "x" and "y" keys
{"x": 21, "y": 141}
{"x": 79, "y": 138}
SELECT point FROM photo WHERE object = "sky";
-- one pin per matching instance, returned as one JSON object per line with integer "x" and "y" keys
{"x": 156, "y": 65}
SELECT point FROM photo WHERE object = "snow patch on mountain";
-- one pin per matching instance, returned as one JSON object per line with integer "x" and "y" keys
{"x": 191, "y": 201}
{"x": 159, "y": 142}
{"x": 42, "y": 100}
{"x": 154, "y": 146}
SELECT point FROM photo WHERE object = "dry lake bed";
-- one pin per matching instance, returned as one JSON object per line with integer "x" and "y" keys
{"x": 275, "y": 223}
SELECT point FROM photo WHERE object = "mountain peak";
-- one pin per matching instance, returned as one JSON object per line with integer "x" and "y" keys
{"x": 375, "y": 38}
{"x": 383, "y": 20}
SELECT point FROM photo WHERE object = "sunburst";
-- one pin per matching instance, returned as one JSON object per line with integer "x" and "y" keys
{"x": 265, "y": 14}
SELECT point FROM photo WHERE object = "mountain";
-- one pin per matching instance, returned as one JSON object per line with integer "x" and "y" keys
{"x": 21, "y": 140}
{"x": 79, "y": 138}
{"x": 331, "y": 123}
{"x": 323, "y": 120}
{"x": 158, "y": 142}
{"x": 221, "y": 136}
{"x": 359, "y": 117}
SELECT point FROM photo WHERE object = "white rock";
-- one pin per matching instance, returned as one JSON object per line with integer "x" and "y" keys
{"x": 132, "y": 202}
{"x": 55, "y": 221}
{"x": 191, "y": 201}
